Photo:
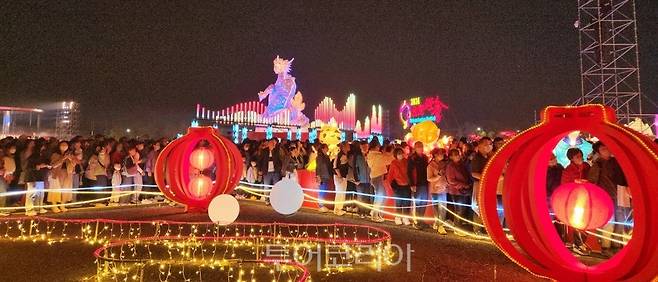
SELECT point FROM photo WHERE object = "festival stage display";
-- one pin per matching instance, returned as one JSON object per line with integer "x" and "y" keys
{"x": 194, "y": 169}
{"x": 421, "y": 116}
{"x": 283, "y": 118}
{"x": 537, "y": 247}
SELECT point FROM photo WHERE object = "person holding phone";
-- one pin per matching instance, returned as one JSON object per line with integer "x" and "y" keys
{"x": 60, "y": 179}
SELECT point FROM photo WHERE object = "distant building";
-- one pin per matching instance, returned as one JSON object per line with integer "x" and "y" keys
{"x": 20, "y": 121}
{"x": 67, "y": 120}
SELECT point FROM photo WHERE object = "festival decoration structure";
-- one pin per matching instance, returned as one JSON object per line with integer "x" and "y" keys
{"x": 287, "y": 196}
{"x": 537, "y": 247}
{"x": 283, "y": 113}
{"x": 284, "y": 104}
{"x": 372, "y": 125}
{"x": 282, "y": 96}
{"x": 345, "y": 118}
{"x": 426, "y": 132}
{"x": 419, "y": 109}
{"x": 174, "y": 250}
{"x": 223, "y": 209}
{"x": 330, "y": 135}
{"x": 243, "y": 113}
{"x": 638, "y": 125}
{"x": 195, "y": 168}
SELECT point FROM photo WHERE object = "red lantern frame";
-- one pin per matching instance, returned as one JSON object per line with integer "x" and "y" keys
{"x": 526, "y": 211}
{"x": 172, "y": 168}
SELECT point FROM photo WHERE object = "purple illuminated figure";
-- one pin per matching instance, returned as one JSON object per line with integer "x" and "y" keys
{"x": 283, "y": 94}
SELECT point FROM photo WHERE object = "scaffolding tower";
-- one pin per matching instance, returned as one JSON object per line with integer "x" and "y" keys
{"x": 609, "y": 61}
{"x": 67, "y": 121}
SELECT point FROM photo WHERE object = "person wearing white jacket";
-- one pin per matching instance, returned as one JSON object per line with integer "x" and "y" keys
{"x": 378, "y": 163}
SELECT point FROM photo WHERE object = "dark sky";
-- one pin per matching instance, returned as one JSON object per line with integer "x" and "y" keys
{"x": 145, "y": 64}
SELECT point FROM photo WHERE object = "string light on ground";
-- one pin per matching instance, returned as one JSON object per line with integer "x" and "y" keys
{"x": 132, "y": 249}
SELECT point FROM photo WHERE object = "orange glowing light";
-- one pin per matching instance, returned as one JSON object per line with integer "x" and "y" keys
{"x": 426, "y": 132}
{"x": 200, "y": 186}
{"x": 201, "y": 158}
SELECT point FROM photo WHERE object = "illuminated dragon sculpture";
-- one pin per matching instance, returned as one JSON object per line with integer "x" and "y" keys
{"x": 283, "y": 94}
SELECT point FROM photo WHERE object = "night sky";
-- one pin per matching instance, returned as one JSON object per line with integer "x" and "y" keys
{"x": 145, "y": 64}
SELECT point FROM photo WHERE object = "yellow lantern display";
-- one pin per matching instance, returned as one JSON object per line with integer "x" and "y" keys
{"x": 426, "y": 132}
{"x": 330, "y": 135}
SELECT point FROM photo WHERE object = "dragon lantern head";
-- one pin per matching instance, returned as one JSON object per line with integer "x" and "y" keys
{"x": 282, "y": 65}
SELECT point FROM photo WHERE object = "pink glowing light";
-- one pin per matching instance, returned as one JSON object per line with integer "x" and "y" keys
{"x": 420, "y": 109}
{"x": 327, "y": 110}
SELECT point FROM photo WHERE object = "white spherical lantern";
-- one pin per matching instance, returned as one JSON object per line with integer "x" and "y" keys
{"x": 287, "y": 196}
{"x": 224, "y": 209}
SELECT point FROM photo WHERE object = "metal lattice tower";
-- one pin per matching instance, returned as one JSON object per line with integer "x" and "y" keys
{"x": 609, "y": 61}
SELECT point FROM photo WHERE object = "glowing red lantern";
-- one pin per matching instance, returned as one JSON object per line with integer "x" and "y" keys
{"x": 201, "y": 158}
{"x": 180, "y": 162}
{"x": 582, "y": 206}
{"x": 537, "y": 247}
{"x": 200, "y": 186}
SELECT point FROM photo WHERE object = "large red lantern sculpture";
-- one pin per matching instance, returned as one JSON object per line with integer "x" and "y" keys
{"x": 537, "y": 246}
{"x": 583, "y": 206}
{"x": 194, "y": 169}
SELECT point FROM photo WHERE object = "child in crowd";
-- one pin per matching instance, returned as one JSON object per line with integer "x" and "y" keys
{"x": 252, "y": 172}
{"x": 251, "y": 176}
{"x": 116, "y": 182}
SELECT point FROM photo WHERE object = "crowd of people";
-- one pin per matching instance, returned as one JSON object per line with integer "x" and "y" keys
{"x": 419, "y": 180}
{"x": 446, "y": 179}
{"x": 49, "y": 170}
{"x": 600, "y": 168}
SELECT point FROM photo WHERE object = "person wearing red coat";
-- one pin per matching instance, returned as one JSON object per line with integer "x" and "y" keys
{"x": 399, "y": 180}
{"x": 459, "y": 188}
{"x": 576, "y": 172}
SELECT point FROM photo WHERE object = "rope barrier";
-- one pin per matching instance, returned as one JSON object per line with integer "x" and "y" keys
{"x": 264, "y": 189}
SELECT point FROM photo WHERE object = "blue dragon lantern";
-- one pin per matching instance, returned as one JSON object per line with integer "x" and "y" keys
{"x": 283, "y": 95}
